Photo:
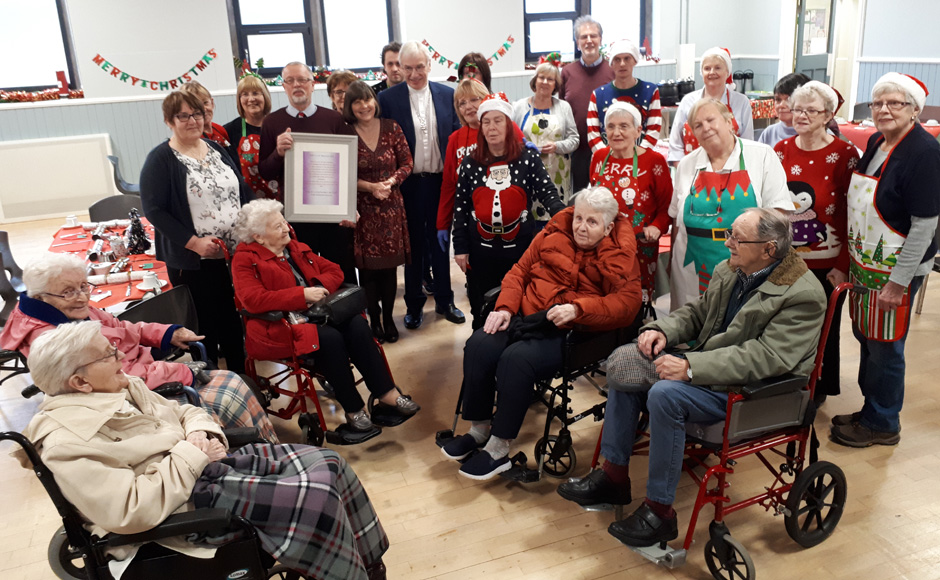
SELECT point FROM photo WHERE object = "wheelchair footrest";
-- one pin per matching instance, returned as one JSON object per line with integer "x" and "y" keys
{"x": 388, "y": 417}
{"x": 520, "y": 471}
{"x": 667, "y": 557}
{"x": 344, "y": 435}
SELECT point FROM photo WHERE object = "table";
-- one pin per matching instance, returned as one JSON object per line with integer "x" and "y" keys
{"x": 858, "y": 134}
{"x": 79, "y": 246}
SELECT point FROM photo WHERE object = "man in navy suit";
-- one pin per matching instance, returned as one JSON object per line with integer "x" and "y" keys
{"x": 425, "y": 113}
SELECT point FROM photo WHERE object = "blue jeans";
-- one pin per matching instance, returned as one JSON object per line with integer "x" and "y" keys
{"x": 881, "y": 376}
{"x": 671, "y": 405}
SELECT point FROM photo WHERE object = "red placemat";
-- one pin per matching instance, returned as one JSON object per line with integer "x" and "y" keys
{"x": 858, "y": 134}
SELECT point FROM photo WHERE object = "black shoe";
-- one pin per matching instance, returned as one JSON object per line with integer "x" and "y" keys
{"x": 644, "y": 528}
{"x": 413, "y": 321}
{"x": 460, "y": 447}
{"x": 482, "y": 466}
{"x": 452, "y": 313}
{"x": 595, "y": 488}
{"x": 378, "y": 332}
{"x": 391, "y": 331}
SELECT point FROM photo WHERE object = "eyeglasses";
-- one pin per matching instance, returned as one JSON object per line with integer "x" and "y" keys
{"x": 339, "y": 93}
{"x": 292, "y": 81}
{"x": 463, "y": 103}
{"x": 113, "y": 352}
{"x": 810, "y": 113}
{"x": 73, "y": 293}
{"x": 729, "y": 236}
{"x": 892, "y": 105}
{"x": 185, "y": 117}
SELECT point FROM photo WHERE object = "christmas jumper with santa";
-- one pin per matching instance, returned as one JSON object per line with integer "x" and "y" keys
{"x": 643, "y": 95}
{"x": 493, "y": 211}
{"x": 818, "y": 182}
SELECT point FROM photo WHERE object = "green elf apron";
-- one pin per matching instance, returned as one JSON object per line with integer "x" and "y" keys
{"x": 248, "y": 147}
{"x": 873, "y": 247}
{"x": 716, "y": 199}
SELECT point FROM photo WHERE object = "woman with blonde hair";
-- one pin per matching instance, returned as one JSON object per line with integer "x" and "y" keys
{"x": 253, "y": 102}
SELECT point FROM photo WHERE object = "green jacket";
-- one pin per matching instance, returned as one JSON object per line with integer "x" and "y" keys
{"x": 774, "y": 333}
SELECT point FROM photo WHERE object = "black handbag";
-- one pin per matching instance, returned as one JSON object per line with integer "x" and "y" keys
{"x": 338, "y": 307}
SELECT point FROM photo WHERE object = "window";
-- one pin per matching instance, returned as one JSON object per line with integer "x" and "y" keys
{"x": 39, "y": 29}
{"x": 548, "y": 27}
{"x": 347, "y": 24}
{"x": 276, "y": 30}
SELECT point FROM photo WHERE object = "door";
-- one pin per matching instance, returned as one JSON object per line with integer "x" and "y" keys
{"x": 814, "y": 38}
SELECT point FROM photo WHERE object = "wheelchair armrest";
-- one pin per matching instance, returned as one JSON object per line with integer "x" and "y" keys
{"x": 489, "y": 301}
{"x": 773, "y": 386}
{"x": 584, "y": 348}
{"x": 272, "y": 316}
{"x": 175, "y": 389}
{"x": 213, "y": 521}
{"x": 240, "y": 436}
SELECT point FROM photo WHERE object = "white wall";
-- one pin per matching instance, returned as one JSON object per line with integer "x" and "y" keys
{"x": 152, "y": 41}
{"x": 454, "y": 29}
{"x": 745, "y": 27}
{"x": 901, "y": 30}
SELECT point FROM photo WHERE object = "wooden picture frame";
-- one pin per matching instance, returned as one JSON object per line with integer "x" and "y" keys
{"x": 320, "y": 175}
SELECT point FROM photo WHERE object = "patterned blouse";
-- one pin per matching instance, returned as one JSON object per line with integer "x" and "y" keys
{"x": 213, "y": 192}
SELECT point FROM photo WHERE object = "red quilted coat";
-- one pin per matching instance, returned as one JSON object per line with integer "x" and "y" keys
{"x": 603, "y": 282}
{"x": 264, "y": 282}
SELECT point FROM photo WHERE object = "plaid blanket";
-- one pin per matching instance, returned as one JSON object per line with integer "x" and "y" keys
{"x": 227, "y": 397}
{"x": 311, "y": 512}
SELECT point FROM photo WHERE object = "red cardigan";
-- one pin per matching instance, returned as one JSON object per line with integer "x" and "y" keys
{"x": 264, "y": 282}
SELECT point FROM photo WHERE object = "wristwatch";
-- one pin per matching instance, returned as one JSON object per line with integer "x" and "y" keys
{"x": 689, "y": 372}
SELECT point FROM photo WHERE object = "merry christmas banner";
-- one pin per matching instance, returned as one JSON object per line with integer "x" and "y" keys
{"x": 169, "y": 85}
{"x": 439, "y": 58}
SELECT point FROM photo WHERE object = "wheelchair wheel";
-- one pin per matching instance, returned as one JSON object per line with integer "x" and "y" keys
{"x": 310, "y": 429}
{"x": 65, "y": 564}
{"x": 815, "y": 503}
{"x": 729, "y": 560}
{"x": 558, "y": 458}
{"x": 281, "y": 572}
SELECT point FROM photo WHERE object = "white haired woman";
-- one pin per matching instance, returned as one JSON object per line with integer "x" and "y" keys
{"x": 716, "y": 73}
{"x": 581, "y": 270}
{"x": 127, "y": 458}
{"x": 548, "y": 122}
{"x": 57, "y": 292}
{"x": 893, "y": 205}
{"x": 640, "y": 181}
{"x": 818, "y": 168}
{"x": 271, "y": 271}
{"x": 713, "y": 185}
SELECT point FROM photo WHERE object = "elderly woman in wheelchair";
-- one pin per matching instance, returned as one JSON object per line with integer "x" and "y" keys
{"x": 57, "y": 292}
{"x": 273, "y": 272}
{"x": 759, "y": 318}
{"x": 580, "y": 271}
{"x": 127, "y": 458}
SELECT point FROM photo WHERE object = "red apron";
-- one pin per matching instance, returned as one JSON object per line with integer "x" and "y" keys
{"x": 690, "y": 143}
{"x": 248, "y": 147}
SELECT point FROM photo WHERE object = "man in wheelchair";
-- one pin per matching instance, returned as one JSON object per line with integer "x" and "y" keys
{"x": 759, "y": 318}
{"x": 580, "y": 271}
{"x": 127, "y": 458}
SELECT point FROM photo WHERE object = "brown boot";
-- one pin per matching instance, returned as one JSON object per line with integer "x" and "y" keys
{"x": 376, "y": 571}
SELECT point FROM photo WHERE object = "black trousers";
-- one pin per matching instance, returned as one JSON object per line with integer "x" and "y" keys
{"x": 485, "y": 273}
{"x": 828, "y": 382}
{"x": 580, "y": 169}
{"x": 347, "y": 342}
{"x": 422, "y": 194}
{"x": 491, "y": 364}
{"x": 380, "y": 285}
{"x": 211, "y": 288}
{"x": 333, "y": 242}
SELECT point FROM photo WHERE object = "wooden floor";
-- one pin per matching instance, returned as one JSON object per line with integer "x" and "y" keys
{"x": 444, "y": 526}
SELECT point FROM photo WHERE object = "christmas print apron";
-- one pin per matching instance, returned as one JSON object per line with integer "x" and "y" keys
{"x": 248, "y": 147}
{"x": 873, "y": 247}
{"x": 626, "y": 190}
{"x": 541, "y": 127}
{"x": 690, "y": 143}
{"x": 714, "y": 202}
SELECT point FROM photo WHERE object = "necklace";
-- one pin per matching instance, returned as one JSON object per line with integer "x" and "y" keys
{"x": 422, "y": 112}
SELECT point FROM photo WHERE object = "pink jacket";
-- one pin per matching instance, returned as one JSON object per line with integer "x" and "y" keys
{"x": 33, "y": 317}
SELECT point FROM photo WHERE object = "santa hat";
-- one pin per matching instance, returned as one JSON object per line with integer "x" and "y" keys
{"x": 621, "y": 106}
{"x": 911, "y": 85}
{"x": 830, "y": 95}
{"x": 623, "y": 46}
{"x": 495, "y": 102}
{"x": 722, "y": 53}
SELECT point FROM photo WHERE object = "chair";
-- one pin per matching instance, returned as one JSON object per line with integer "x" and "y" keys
{"x": 114, "y": 207}
{"x": 9, "y": 264}
{"x": 9, "y": 295}
{"x": 772, "y": 420}
{"x": 175, "y": 306}
{"x": 75, "y": 553}
{"x": 923, "y": 287}
{"x": 123, "y": 186}
{"x": 582, "y": 356}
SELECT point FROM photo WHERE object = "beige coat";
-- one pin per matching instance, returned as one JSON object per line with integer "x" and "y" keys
{"x": 125, "y": 472}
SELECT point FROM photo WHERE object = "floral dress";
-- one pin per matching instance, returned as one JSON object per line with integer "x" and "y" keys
{"x": 382, "y": 230}
{"x": 214, "y": 196}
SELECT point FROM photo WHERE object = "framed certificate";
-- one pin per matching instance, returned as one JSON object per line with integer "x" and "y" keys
{"x": 320, "y": 173}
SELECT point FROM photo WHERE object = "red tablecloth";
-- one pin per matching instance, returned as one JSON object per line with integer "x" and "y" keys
{"x": 859, "y": 134}
{"x": 80, "y": 244}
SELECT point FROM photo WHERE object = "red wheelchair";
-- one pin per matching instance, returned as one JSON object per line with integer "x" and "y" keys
{"x": 771, "y": 420}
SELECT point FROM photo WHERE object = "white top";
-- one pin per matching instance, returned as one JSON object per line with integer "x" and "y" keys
{"x": 770, "y": 188}
{"x": 740, "y": 108}
{"x": 427, "y": 150}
